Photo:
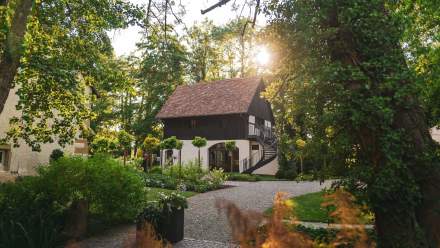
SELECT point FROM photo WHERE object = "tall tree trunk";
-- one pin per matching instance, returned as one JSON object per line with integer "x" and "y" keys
{"x": 10, "y": 59}
{"x": 398, "y": 224}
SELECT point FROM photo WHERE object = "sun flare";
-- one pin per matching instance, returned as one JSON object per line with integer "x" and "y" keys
{"x": 262, "y": 56}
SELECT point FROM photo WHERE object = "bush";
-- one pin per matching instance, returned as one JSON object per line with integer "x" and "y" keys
{"x": 113, "y": 191}
{"x": 155, "y": 170}
{"x": 191, "y": 178}
{"x": 29, "y": 216}
{"x": 242, "y": 177}
{"x": 156, "y": 180}
{"x": 32, "y": 210}
{"x": 288, "y": 174}
{"x": 56, "y": 154}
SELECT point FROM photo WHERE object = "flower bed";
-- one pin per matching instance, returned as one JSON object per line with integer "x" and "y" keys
{"x": 187, "y": 178}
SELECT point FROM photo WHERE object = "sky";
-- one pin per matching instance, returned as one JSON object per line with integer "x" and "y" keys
{"x": 124, "y": 41}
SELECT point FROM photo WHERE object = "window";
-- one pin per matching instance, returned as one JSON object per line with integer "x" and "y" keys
{"x": 267, "y": 124}
{"x": 255, "y": 147}
{"x": 193, "y": 124}
{"x": 251, "y": 119}
{"x": 2, "y": 159}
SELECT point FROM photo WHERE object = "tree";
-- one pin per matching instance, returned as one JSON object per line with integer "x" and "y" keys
{"x": 179, "y": 146}
{"x": 230, "y": 148}
{"x": 150, "y": 145}
{"x": 105, "y": 142}
{"x": 199, "y": 142}
{"x": 52, "y": 51}
{"x": 344, "y": 67}
{"x": 300, "y": 145}
{"x": 125, "y": 141}
{"x": 169, "y": 144}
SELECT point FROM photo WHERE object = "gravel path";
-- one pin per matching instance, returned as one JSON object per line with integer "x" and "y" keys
{"x": 203, "y": 221}
{"x": 204, "y": 225}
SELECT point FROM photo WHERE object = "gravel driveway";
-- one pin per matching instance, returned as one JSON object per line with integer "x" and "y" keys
{"x": 203, "y": 222}
{"x": 204, "y": 225}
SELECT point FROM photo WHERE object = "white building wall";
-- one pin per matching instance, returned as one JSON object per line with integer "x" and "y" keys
{"x": 435, "y": 133}
{"x": 269, "y": 169}
{"x": 22, "y": 159}
{"x": 190, "y": 152}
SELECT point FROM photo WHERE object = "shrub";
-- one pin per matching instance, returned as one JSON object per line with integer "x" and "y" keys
{"x": 113, "y": 191}
{"x": 192, "y": 178}
{"x": 56, "y": 154}
{"x": 217, "y": 177}
{"x": 156, "y": 180}
{"x": 242, "y": 177}
{"x": 33, "y": 209}
{"x": 288, "y": 174}
{"x": 155, "y": 170}
{"x": 29, "y": 216}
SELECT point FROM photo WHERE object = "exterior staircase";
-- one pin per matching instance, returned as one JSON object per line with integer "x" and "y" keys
{"x": 268, "y": 141}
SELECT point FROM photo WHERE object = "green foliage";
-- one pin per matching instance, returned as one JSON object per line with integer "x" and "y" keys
{"x": 286, "y": 173}
{"x": 155, "y": 170}
{"x": 242, "y": 177}
{"x": 344, "y": 86}
{"x": 56, "y": 154}
{"x": 65, "y": 50}
{"x": 199, "y": 142}
{"x": 32, "y": 210}
{"x": 230, "y": 145}
{"x": 179, "y": 145}
{"x": 156, "y": 211}
{"x": 113, "y": 191}
{"x": 125, "y": 140}
{"x": 29, "y": 215}
{"x": 106, "y": 143}
{"x": 190, "y": 177}
{"x": 169, "y": 143}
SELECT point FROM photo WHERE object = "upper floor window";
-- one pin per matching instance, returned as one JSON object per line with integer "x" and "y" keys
{"x": 267, "y": 124}
{"x": 252, "y": 119}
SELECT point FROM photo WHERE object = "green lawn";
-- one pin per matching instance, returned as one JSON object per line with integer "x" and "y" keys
{"x": 153, "y": 193}
{"x": 308, "y": 208}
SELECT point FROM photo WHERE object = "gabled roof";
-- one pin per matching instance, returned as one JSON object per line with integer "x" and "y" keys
{"x": 231, "y": 96}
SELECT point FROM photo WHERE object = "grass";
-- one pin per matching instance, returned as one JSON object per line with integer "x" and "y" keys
{"x": 308, "y": 208}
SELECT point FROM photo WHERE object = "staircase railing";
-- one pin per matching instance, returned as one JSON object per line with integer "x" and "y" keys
{"x": 263, "y": 134}
{"x": 252, "y": 160}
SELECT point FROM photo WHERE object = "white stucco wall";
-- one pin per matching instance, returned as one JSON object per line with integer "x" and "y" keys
{"x": 23, "y": 159}
{"x": 269, "y": 169}
{"x": 190, "y": 152}
{"x": 435, "y": 133}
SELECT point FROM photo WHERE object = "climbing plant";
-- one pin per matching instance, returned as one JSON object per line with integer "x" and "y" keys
{"x": 344, "y": 72}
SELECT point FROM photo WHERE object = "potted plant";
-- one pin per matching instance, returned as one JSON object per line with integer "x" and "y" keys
{"x": 166, "y": 215}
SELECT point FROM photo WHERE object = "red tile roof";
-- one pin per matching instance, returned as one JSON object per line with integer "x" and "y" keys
{"x": 231, "y": 96}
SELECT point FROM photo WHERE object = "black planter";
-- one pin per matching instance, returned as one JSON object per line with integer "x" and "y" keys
{"x": 171, "y": 225}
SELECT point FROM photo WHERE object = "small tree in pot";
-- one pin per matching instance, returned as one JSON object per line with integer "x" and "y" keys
{"x": 199, "y": 142}
{"x": 230, "y": 147}
{"x": 166, "y": 215}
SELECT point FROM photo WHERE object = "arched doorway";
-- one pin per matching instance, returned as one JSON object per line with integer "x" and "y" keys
{"x": 219, "y": 158}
